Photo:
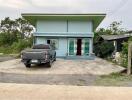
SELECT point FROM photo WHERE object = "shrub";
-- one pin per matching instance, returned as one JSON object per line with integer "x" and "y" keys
{"x": 104, "y": 49}
{"x": 5, "y": 49}
{"x": 124, "y": 53}
{"x": 20, "y": 45}
{"x": 7, "y": 38}
{"x": 15, "y": 47}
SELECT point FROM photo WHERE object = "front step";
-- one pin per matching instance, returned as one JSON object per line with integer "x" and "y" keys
{"x": 81, "y": 57}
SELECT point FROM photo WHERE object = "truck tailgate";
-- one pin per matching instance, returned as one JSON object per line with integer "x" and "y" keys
{"x": 34, "y": 54}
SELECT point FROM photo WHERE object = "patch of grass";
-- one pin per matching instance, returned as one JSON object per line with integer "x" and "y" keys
{"x": 114, "y": 79}
{"x": 5, "y": 49}
{"x": 7, "y": 56}
{"x": 15, "y": 47}
{"x": 81, "y": 82}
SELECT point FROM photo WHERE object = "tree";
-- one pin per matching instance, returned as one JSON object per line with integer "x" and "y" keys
{"x": 8, "y": 25}
{"x": 24, "y": 27}
{"x": 115, "y": 28}
{"x": 14, "y": 30}
{"x": 18, "y": 27}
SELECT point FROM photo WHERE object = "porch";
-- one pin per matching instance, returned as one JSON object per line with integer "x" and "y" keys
{"x": 68, "y": 46}
{"x": 90, "y": 57}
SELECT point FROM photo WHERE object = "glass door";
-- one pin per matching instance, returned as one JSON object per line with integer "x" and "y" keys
{"x": 71, "y": 46}
{"x": 86, "y": 46}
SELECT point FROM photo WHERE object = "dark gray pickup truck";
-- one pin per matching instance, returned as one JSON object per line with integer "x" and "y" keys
{"x": 39, "y": 54}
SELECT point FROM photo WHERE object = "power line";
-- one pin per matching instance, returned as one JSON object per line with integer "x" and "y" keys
{"x": 119, "y": 6}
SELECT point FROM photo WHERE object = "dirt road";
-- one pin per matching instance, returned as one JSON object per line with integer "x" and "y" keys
{"x": 53, "y": 92}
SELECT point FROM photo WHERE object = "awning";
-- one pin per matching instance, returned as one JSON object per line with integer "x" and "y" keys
{"x": 115, "y": 37}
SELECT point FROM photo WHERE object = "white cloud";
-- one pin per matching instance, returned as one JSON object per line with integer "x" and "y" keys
{"x": 48, "y": 3}
{"x": 18, "y": 4}
{"x": 80, "y": 5}
{"x": 74, "y": 5}
{"x": 116, "y": 9}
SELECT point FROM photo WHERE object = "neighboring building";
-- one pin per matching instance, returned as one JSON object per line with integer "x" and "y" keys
{"x": 71, "y": 34}
{"x": 117, "y": 40}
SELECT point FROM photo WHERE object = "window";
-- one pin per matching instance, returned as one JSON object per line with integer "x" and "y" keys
{"x": 71, "y": 47}
{"x": 53, "y": 42}
{"x": 41, "y": 46}
{"x": 86, "y": 46}
{"x": 48, "y": 41}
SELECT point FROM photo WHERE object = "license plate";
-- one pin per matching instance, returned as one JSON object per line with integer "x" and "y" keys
{"x": 34, "y": 61}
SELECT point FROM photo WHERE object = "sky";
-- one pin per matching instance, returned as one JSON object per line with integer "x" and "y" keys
{"x": 116, "y": 10}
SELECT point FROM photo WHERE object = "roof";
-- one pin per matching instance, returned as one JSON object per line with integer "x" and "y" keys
{"x": 129, "y": 31}
{"x": 115, "y": 37}
{"x": 97, "y": 18}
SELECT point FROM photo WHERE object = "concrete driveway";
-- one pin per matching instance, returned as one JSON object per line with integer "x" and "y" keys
{"x": 62, "y": 66}
{"x": 62, "y": 72}
{"x": 60, "y": 92}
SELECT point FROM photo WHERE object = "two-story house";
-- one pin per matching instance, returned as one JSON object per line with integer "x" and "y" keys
{"x": 71, "y": 34}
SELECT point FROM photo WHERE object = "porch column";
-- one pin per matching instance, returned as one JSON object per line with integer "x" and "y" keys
{"x": 91, "y": 46}
{"x": 115, "y": 45}
{"x": 34, "y": 40}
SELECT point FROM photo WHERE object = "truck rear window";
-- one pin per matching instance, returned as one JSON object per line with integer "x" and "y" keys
{"x": 41, "y": 46}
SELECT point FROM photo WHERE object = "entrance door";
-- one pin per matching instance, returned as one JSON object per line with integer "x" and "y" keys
{"x": 86, "y": 46}
{"x": 79, "y": 47}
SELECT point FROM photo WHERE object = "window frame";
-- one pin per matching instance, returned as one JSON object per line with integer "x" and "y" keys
{"x": 56, "y": 43}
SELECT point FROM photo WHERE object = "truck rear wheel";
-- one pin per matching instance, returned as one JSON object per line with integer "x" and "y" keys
{"x": 55, "y": 57}
{"x": 28, "y": 65}
{"x": 49, "y": 64}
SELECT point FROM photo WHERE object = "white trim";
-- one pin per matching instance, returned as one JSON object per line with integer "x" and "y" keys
{"x": 82, "y": 48}
{"x": 75, "y": 46}
{"x": 63, "y": 14}
{"x": 64, "y": 32}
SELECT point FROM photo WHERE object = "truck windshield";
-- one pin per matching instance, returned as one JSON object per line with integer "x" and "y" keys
{"x": 41, "y": 46}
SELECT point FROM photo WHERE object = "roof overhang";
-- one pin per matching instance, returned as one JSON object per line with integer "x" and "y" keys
{"x": 115, "y": 37}
{"x": 95, "y": 18}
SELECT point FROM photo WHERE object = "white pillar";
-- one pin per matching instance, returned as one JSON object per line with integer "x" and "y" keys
{"x": 129, "y": 68}
{"x": 91, "y": 46}
{"x": 115, "y": 45}
{"x": 75, "y": 46}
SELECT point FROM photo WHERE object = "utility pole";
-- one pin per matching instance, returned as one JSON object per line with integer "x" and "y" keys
{"x": 129, "y": 68}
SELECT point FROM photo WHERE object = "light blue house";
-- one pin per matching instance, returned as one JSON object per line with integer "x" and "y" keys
{"x": 71, "y": 34}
